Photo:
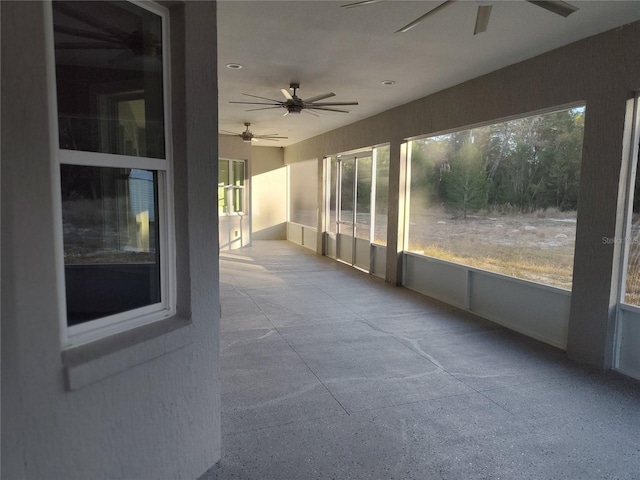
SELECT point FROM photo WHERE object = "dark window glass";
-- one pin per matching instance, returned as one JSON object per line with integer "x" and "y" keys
{"x": 109, "y": 78}
{"x": 110, "y": 232}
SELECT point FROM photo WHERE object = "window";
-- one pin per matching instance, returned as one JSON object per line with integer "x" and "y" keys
{"x": 502, "y": 197}
{"x": 115, "y": 173}
{"x": 631, "y": 294}
{"x": 231, "y": 176}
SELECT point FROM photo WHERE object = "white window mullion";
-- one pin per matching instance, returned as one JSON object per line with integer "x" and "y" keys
{"x": 94, "y": 159}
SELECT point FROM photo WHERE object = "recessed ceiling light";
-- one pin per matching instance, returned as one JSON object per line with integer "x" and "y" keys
{"x": 234, "y": 66}
{"x": 388, "y": 82}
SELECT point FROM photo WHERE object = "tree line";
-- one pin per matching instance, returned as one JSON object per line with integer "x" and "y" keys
{"x": 522, "y": 165}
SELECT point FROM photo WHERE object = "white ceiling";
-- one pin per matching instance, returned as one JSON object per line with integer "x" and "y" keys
{"x": 327, "y": 48}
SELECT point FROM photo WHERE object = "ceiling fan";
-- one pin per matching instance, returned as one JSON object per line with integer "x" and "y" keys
{"x": 247, "y": 136}
{"x": 484, "y": 12}
{"x": 294, "y": 104}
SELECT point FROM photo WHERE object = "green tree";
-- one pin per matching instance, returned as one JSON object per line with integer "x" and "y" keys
{"x": 561, "y": 155}
{"x": 465, "y": 181}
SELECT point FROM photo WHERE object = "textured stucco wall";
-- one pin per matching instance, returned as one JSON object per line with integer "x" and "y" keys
{"x": 268, "y": 194}
{"x": 602, "y": 71}
{"x": 157, "y": 419}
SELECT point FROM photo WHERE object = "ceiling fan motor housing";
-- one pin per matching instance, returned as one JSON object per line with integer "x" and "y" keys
{"x": 246, "y": 135}
{"x": 295, "y": 104}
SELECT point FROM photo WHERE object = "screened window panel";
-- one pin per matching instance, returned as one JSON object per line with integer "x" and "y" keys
{"x": 382, "y": 195}
{"x": 501, "y": 197}
{"x": 363, "y": 198}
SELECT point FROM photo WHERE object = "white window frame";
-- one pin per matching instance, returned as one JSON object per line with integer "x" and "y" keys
{"x": 71, "y": 336}
{"x": 229, "y": 188}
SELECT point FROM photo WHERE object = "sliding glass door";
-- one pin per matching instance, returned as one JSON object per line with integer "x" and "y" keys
{"x": 351, "y": 188}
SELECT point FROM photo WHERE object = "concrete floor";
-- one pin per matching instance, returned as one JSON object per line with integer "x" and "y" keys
{"x": 329, "y": 373}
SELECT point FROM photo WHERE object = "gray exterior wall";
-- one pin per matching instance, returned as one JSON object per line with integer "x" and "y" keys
{"x": 602, "y": 71}
{"x": 139, "y": 405}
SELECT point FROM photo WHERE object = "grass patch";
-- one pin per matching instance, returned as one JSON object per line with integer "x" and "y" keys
{"x": 537, "y": 246}
{"x": 511, "y": 263}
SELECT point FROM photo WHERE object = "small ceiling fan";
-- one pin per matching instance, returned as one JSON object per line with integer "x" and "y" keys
{"x": 294, "y": 104}
{"x": 484, "y": 12}
{"x": 247, "y": 136}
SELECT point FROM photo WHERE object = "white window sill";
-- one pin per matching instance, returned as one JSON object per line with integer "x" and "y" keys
{"x": 90, "y": 363}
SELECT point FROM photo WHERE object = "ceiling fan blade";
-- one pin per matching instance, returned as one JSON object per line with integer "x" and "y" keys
{"x": 361, "y": 3}
{"x": 263, "y": 98}
{"x": 330, "y": 104}
{"x": 561, "y": 8}
{"x": 330, "y": 109}
{"x": 278, "y": 104}
{"x": 268, "y": 137}
{"x": 230, "y": 133}
{"x": 286, "y": 94}
{"x": 421, "y": 19}
{"x": 315, "y": 114}
{"x": 319, "y": 97}
{"x": 263, "y": 108}
{"x": 482, "y": 19}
